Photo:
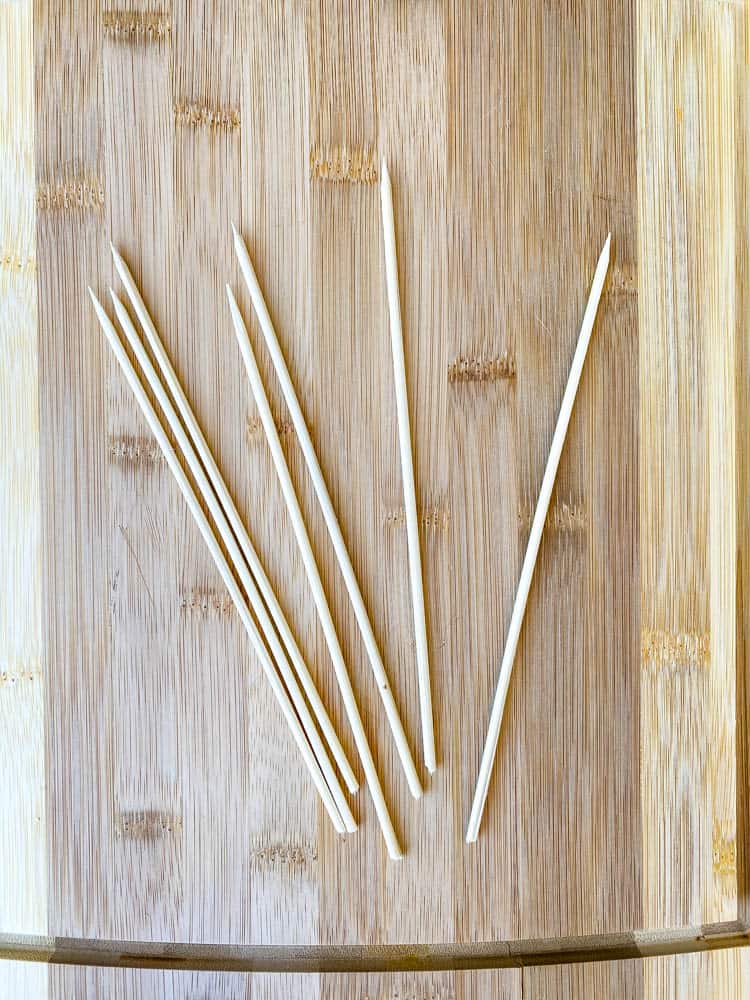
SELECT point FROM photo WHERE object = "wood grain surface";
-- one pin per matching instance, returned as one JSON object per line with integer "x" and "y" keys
{"x": 23, "y": 833}
{"x": 518, "y": 135}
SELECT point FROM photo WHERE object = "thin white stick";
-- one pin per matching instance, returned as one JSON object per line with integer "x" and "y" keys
{"x": 332, "y": 523}
{"x": 313, "y": 576}
{"x": 407, "y": 471}
{"x": 535, "y": 538}
{"x": 238, "y": 560}
{"x": 248, "y": 549}
{"x": 221, "y": 563}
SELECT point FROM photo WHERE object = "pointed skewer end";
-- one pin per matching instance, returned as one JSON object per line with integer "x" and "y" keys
{"x": 602, "y": 265}
{"x": 233, "y": 307}
{"x": 240, "y": 247}
{"x": 101, "y": 313}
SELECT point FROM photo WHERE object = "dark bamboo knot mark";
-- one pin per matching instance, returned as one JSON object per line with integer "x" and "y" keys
{"x": 663, "y": 650}
{"x": 475, "y": 369}
{"x": 622, "y": 281}
{"x": 724, "y": 851}
{"x": 343, "y": 164}
{"x": 11, "y": 261}
{"x": 129, "y": 449}
{"x": 431, "y": 518}
{"x": 562, "y": 517}
{"x": 136, "y": 26}
{"x": 255, "y": 428}
{"x": 279, "y": 855}
{"x": 82, "y": 193}
{"x": 196, "y": 115}
{"x": 207, "y": 603}
{"x": 19, "y": 675}
{"x": 147, "y": 824}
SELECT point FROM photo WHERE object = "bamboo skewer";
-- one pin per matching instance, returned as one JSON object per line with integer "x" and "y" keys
{"x": 532, "y": 550}
{"x": 407, "y": 471}
{"x": 313, "y": 575}
{"x": 236, "y": 557}
{"x": 225, "y": 498}
{"x": 329, "y": 514}
{"x": 220, "y": 561}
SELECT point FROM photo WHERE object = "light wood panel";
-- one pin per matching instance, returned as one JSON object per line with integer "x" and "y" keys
{"x": 689, "y": 439}
{"x": 23, "y": 830}
{"x": 75, "y": 550}
{"x": 693, "y": 79}
{"x": 511, "y": 130}
{"x": 742, "y": 456}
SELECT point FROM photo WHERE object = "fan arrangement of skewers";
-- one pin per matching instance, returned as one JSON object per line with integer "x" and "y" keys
{"x": 257, "y": 605}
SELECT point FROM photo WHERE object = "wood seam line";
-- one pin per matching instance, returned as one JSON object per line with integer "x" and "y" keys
{"x": 375, "y": 958}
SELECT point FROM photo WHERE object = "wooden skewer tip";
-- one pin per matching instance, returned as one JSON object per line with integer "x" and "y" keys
{"x": 100, "y": 310}
{"x": 118, "y": 258}
{"x": 240, "y": 248}
{"x": 129, "y": 281}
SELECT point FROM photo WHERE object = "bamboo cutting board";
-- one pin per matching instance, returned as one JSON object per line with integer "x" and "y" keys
{"x": 518, "y": 135}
